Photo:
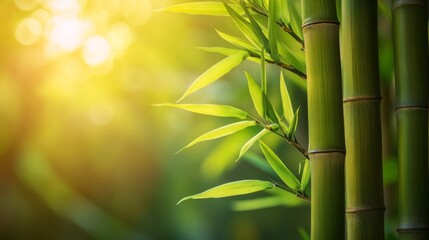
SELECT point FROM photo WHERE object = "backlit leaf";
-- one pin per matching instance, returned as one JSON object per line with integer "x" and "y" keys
{"x": 286, "y": 103}
{"x": 237, "y": 42}
{"x": 215, "y": 72}
{"x": 293, "y": 125}
{"x": 305, "y": 176}
{"x": 202, "y": 8}
{"x": 245, "y": 27}
{"x": 221, "y": 50}
{"x": 210, "y": 109}
{"x": 221, "y": 132}
{"x": 272, "y": 30}
{"x": 232, "y": 189}
{"x": 295, "y": 16}
{"x": 251, "y": 141}
{"x": 282, "y": 171}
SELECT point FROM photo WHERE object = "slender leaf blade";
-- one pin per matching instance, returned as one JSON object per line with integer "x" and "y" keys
{"x": 305, "y": 176}
{"x": 272, "y": 30}
{"x": 215, "y": 72}
{"x": 251, "y": 141}
{"x": 210, "y": 109}
{"x": 245, "y": 27}
{"x": 237, "y": 42}
{"x": 221, "y": 50}
{"x": 286, "y": 102}
{"x": 221, "y": 132}
{"x": 294, "y": 124}
{"x": 232, "y": 189}
{"x": 278, "y": 166}
{"x": 202, "y": 8}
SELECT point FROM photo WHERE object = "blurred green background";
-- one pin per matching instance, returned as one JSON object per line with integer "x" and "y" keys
{"x": 85, "y": 155}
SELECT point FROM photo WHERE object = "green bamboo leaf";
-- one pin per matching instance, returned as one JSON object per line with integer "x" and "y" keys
{"x": 245, "y": 27}
{"x": 293, "y": 125}
{"x": 232, "y": 189}
{"x": 283, "y": 12}
{"x": 286, "y": 103}
{"x": 291, "y": 57}
{"x": 237, "y": 42}
{"x": 256, "y": 94}
{"x": 295, "y": 16}
{"x": 305, "y": 176}
{"x": 264, "y": 85}
{"x": 215, "y": 72}
{"x": 278, "y": 166}
{"x": 256, "y": 28}
{"x": 259, "y": 99}
{"x": 203, "y": 8}
{"x": 251, "y": 141}
{"x": 221, "y": 132}
{"x": 210, "y": 109}
{"x": 221, "y": 50}
{"x": 272, "y": 29}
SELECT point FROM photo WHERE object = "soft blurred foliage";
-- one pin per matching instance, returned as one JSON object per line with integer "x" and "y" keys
{"x": 85, "y": 155}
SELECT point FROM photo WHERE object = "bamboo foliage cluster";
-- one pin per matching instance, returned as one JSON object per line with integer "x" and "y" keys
{"x": 343, "y": 108}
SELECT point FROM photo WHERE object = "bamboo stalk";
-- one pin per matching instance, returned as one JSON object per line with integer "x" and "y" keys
{"x": 325, "y": 118}
{"x": 411, "y": 69}
{"x": 361, "y": 93}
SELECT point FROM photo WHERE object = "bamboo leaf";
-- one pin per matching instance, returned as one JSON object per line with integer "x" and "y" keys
{"x": 295, "y": 16}
{"x": 202, "y": 8}
{"x": 286, "y": 103}
{"x": 272, "y": 29}
{"x": 290, "y": 57}
{"x": 264, "y": 83}
{"x": 237, "y": 42}
{"x": 293, "y": 125}
{"x": 221, "y": 50}
{"x": 221, "y": 132}
{"x": 215, "y": 72}
{"x": 245, "y": 27}
{"x": 283, "y": 12}
{"x": 305, "y": 176}
{"x": 251, "y": 141}
{"x": 232, "y": 189}
{"x": 256, "y": 94}
{"x": 256, "y": 28}
{"x": 278, "y": 166}
{"x": 210, "y": 109}
{"x": 260, "y": 100}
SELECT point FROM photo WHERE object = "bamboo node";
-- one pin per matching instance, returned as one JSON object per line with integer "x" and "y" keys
{"x": 310, "y": 22}
{"x": 400, "y": 3}
{"x": 411, "y": 107}
{"x": 362, "y": 99}
{"x": 326, "y": 151}
{"x": 365, "y": 209}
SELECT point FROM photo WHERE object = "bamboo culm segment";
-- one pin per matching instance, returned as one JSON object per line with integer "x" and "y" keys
{"x": 411, "y": 70}
{"x": 325, "y": 119}
{"x": 362, "y": 122}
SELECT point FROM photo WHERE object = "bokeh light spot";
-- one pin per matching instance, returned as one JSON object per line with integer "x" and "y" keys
{"x": 28, "y": 31}
{"x": 138, "y": 12}
{"x": 67, "y": 32}
{"x": 120, "y": 37}
{"x": 26, "y": 5}
{"x": 96, "y": 50}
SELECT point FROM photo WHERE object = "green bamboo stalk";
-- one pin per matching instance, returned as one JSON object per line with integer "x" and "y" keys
{"x": 361, "y": 93}
{"x": 411, "y": 69}
{"x": 325, "y": 119}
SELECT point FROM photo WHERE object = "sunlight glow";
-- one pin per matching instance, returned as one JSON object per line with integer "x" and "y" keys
{"x": 67, "y": 32}
{"x": 26, "y": 5}
{"x": 138, "y": 12}
{"x": 120, "y": 37}
{"x": 96, "y": 50}
{"x": 28, "y": 31}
